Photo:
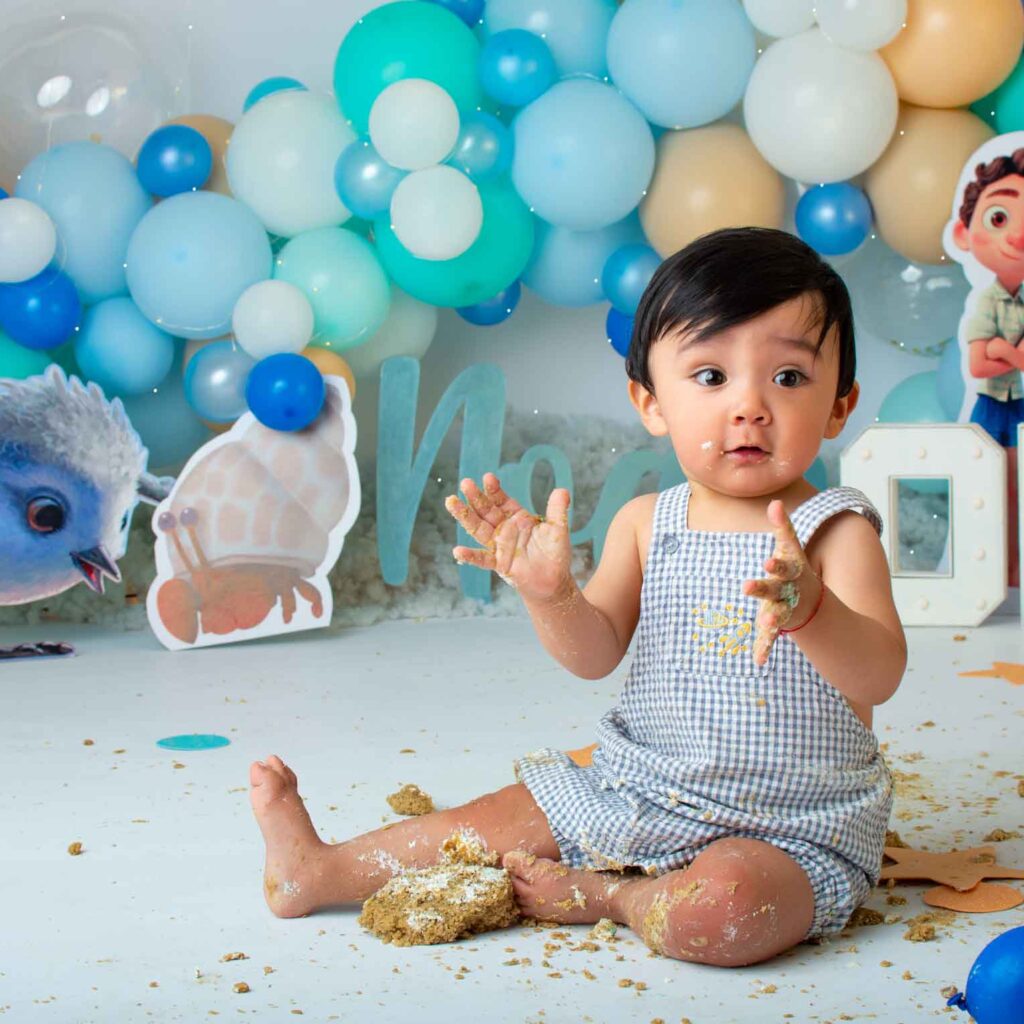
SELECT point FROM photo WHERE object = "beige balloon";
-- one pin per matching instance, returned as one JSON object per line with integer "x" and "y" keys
{"x": 705, "y": 179}
{"x": 217, "y": 133}
{"x": 912, "y": 184}
{"x": 952, "y": 52}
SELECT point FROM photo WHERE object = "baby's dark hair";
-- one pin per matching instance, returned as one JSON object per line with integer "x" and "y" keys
{"x": 728, "y": 277}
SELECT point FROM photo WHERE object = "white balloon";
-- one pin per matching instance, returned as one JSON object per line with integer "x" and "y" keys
{"x": 271, "y": 317}
{"x": 408, "y": 331}
{"x": 414, "y": 124}
{"x": 861, "y": 24}
{"x": 820, "y": 112}
{"x": 28, "y": 240}
{"x": 436, "y": 213}
{"x": 780, "y": 17}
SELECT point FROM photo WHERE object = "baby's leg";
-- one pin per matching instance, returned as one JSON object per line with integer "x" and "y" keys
{"x": 740, "y": 901}
{"x": 303, "y": 873}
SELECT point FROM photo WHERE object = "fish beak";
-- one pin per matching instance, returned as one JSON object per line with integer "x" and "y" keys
{"x": 94, "y": 564}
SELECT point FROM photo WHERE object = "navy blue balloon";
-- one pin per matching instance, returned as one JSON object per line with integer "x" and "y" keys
{"x": 41, "y": 312}
{"x": 494, "y": 310}
{"x": 174, "y": 159}
{"x": 470, "y": 11}
{"x": 364, "y": 180}
{"x": 626, "y": 274}
{"x": 516, "y": 67}
{"x": 285, "y": 391}
{"x": 995, "y": 986}
{"x": 619, "y": 328}
{"x": 834, "y": 219}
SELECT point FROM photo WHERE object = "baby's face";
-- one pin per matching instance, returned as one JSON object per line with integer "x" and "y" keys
{"x": 747, "y": 408}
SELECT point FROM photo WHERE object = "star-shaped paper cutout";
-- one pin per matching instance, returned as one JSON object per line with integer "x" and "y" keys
{"x": 959, "y": 869}
{"x": 1008, "y": 670}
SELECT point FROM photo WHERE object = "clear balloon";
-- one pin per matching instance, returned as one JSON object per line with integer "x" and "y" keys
{"x": 484, "y": 147}
{"x": 819, "y": 112}
{"x": 516, "y": 67}
{"x": 780, "y": 17}
{"x": 626, "y": 274}
{"x": 914, "y": 400}
{"x": 285, "y": 392}
{"x": 584, "y": 155}
{"x": 272, "y": 317}
{"x": 437, "y": 213}
{"x": 41, "y": 312}
{"x": 494, "y": 310}
{"x": 282, "y": 158}
{"x": 18, "y": 362}
{"x": 215, "y": 381}
{"x": 834, "y": 219}
{"x": 365, "y": 181}
{"x": 28, "y": 240}
{"x": 94, "y": 198}
{"x": 408, "y": 331}
{"x": 175, "y": 158}
{"x": 414, "y": 124}
{"x": 278, "y": 83}
{"x": 861, "y": 24}
{"x": 119, "y": 349}
{"x": 619, "y": 328}
{"x": 190, "y": 259}
{"x": 949, "y": 385}
{"x": 683, "y": 64}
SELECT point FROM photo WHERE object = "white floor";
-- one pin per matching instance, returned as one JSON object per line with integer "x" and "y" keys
{"x": 170, "y": 878}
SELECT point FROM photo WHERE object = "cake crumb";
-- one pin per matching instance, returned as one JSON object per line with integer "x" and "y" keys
{"x": 920, "y": 931}
{"x": 604, "y": 930}
{"x": 907, "y": 976}
{"x": 75, "y": 849}
{"x": 240, "y": 986}
{"x": 411, "y": 800}
{"x": 1000, "y": 835}
{"x": 625, "y": 982}
{"x": 885, "y": 963}
{"x": 233, "y": 956}
{"x": 864, "y": 916}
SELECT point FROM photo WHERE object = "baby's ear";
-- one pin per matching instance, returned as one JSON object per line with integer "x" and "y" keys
{"x": 841, "y": 410}
{"x": 647, "y": 406}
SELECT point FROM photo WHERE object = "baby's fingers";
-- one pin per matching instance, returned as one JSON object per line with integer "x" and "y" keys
{"x": 769, "y": 590}
{"x": 470, "y": 521}
{"x": 480, "y": 557}
{"x": 785, "y": 568}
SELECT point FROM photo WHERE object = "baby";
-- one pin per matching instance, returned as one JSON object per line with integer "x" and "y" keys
{"x": 736, "y": 801}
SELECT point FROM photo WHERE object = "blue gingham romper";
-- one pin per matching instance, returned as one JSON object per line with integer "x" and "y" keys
{"x": 705, "y": 744}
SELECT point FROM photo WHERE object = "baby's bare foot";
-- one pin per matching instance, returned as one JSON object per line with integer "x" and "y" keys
{"x": 293, "y": 866}
{"x": 550, "y": 891}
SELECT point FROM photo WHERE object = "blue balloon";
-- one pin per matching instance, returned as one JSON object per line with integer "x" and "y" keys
{"x": 834, "y": 218}
{"x": 619, "y": 328}
{"x": 190, "y": 259}
{"x": 269, "y": 85}
{"x": 95, "y": 199}
{"x": 950, "y": 385}
{"x": 41, "y": 312}
{"x": 285, "y": 391}
{"x": 494, "y": 310}
{"x": 174, "y": 159}
{"x": 4, "y": 194}
{"x": 215, "y": 381}
{"x": 626, "y": 275}
{"x": 121, "y": 350}
{"x": 817, "y": 474}
{"x": 914, "y": 400}
{"x": 484, "y": 147}
{"x": 364, "y": 180}
{"x": 470, "y": 11}
{"x": 516, "y": 67}
{"x": 995, "y": 986}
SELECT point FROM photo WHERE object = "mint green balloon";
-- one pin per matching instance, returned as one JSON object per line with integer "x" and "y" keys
{"x": 340, "y": 274}
{"x": 491, "y": 263}
{"x": 18, "y": 362}
{"x": 1007, "y": 102}
{"x": 407, "y": 39}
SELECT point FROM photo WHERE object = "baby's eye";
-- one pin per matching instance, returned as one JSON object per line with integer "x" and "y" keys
{"x": 789, "y": 378}
{"x": 996, "y": 217}
{"x": 708, "y": 377}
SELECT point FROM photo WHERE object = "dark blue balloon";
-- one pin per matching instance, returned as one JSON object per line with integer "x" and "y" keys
{"x": 494, "y": 310}
{"x": 619, "y": 328}
{"x": 516, "y": 67}
{"x": 4, "y": 194}
{"x": 995, "y": 986}
{"x": 41, "y": 312}
{"x": 470, "y": 11}
{"x": 626, "y": 274}
{"x": 174, "y": 159}
{"x": 285, "y": 391}
{"x": 834, "y": 219}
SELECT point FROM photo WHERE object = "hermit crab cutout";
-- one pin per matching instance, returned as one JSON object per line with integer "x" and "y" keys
{"x": 251, "y": 528}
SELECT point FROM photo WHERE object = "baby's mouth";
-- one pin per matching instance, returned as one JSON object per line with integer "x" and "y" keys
{"x": 747, "y": 453}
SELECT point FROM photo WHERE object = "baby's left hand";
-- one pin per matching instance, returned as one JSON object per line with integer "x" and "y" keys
{"x": 791, "y": 584}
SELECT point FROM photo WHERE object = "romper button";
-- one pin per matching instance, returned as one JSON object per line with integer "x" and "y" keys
{"x": 670, "y": 544}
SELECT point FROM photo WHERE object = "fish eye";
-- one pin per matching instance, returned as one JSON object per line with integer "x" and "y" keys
{"x": 44, "y": 514}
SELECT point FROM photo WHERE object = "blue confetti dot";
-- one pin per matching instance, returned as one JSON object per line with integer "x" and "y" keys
{"x": 193, "y": 741}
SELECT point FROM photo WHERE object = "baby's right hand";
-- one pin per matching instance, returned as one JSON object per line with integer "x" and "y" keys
{"x": 534, "y": 555}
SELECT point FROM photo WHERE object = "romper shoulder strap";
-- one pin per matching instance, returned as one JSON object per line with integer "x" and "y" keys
{"x": 825, "y": 504}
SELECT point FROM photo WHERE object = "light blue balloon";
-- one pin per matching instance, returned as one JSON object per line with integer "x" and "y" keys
{"x": 566, "y": 266}
{"x": 165, "y": 421}
{"x": 484, "y": 147}
{"x": 684, "y": 63}
{"x": 190, "y": 259}
{"x": 575, "y": 30}
{"x": 278, "y": 83}
{"x": 914, "y": 400}
{"x": 215, "y": 381}
{"x": 364, "y": 180}
{"x": 950, "y": 385}
{"x": 584, "y": 155}
{"x": 626, "y": 274}
{"x": 121, "y": 350}
{"x": 94, "y": 197}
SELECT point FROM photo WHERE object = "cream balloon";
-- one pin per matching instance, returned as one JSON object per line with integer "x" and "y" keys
{"x": 408, "y": 331}
{"x": 780, "y": 17}
{"x": 414, "y": 124}
{"x": 436, "y": 213}
{"x": 28, "y": 240}
{"x": 709, "y": 178}
{"x": 330, "y": 364}
{"x": 911, "y": 187}
{"x": 861, "y": 24}
{"x": 820, "y": 112}
{"x": 217, "y": 133}
{"x": 271, "y": 317}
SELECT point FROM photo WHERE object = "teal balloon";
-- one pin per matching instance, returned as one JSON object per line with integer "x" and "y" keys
{"x": 405, "y": 40}
{"x": 491, "y": 263}
{"x": 950, "y": 385}
{"x": 341, "y": 275}
{"x": 914, "y": 400}
{"x": 1004, "y": 108}
{"x": 18, "y": 362}
{"x": 279, "y": 83}
{"x": 94, "y": 198}
{"x": 817, "y": 474}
